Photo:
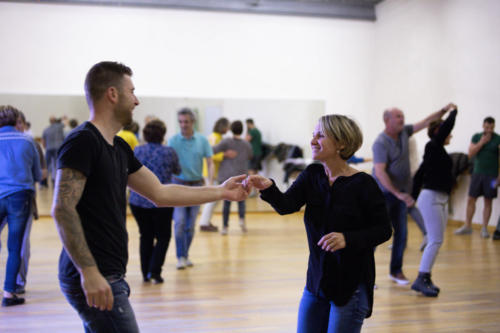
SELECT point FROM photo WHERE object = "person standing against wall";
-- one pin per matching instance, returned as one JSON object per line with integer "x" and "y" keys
{"x": 484, "y": 149}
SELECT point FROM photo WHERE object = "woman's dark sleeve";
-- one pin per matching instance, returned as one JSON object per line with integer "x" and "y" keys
{"x": 446, "y": 127}
{"x": 377, "y": 224}
{"x": 289, "y": 202}
{"x": 418, "y": 180}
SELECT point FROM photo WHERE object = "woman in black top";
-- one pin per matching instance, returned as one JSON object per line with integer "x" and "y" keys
{"x": 435, "y": 177}
{"x": 345, "y": 218}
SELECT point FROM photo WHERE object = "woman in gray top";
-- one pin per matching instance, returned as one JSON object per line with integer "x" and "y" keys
{"x": 234, "y": 166}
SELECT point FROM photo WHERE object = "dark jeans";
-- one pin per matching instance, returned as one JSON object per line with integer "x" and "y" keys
{"x": 51, "y": 159}
{"x": 318, "y": 314}
{"x": 121, "y": 319}
{"x": 398, "y": 214}
{"x": 155, "y": 229}
{"x": 16, "y": 208}
{"x": 227, "y": 208}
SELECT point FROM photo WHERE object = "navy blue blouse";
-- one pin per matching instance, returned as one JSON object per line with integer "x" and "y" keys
{"x": 353, "y": 206}
{"x": 162, "y": 161}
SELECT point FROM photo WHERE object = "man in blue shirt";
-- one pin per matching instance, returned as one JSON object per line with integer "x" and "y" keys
{"x": 19, "y": 169}
{"x": 191, "y": 147}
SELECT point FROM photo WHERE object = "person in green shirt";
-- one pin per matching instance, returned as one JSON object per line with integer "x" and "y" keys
{"x": 255, "y": 138}
{"x": 484, "y": 148}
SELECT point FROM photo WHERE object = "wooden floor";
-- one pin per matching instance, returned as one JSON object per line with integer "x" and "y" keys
{"x": 253, "y": 283}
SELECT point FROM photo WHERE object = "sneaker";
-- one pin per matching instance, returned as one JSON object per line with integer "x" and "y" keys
{"x": 485, "y": 233}
{"x": 223, "y": 231}
{"x": 399, "y": 278}
{"x": 243, "y": 225}
{"x": 423, "y": 244}
{"x": 11, "y": 301}
{"x": 463, "y": 230}
{"x": 209, "y": 228}
{"x": 496, "y": 235}
{"x": 181, "y": 263}
{"x": 189, "y": 263}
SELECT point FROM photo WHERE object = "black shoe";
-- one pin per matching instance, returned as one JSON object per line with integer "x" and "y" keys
{"x": 11, "y": 301}
{"x": 496, "y": 235}
{"x": 423, "y": 285}
{"x": 156, "y": 278}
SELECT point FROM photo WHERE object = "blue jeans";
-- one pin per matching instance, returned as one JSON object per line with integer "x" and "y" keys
{"x": 16, "y": 208}
{"x": 318, "y": 315}
{"x": 184, "y": 221}
{"x": 120, "y": 319}
{"x": 398, "y": 214}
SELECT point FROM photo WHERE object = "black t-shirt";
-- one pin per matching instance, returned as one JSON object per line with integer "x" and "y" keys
{"x": 102, "y": 207}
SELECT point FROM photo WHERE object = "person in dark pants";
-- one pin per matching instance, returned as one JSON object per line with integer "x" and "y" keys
{"x": 155, "y": 223}
{"x": 391, "y": 170}
{"x": 345, "y": 218}
{"x": 94, "y": 169}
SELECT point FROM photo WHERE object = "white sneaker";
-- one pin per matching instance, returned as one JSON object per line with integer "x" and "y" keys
{"x": 399, "y": 278}
{"x": 485, "y": 233}
{"x": 189, "y": 263}
{"x": 243, "y": 225}
{"x": 223, "y": 231}
{"x": 463, "y": 230}
{"x": 181, "y": 263}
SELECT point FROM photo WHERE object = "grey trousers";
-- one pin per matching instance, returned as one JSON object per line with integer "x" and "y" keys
{"x": 434, "y": 208}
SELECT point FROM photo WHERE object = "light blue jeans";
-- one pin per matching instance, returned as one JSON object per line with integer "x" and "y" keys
{"x": 184, "y": 222}
{"x": 319, "y": 315}
{"x": 434, "y": 208}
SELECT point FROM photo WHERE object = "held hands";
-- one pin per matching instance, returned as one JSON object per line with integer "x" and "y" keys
{"x": 257, "y": 181}
{"x": 332, "y": 242}
{"x": 448, "y": 108}
{"x": 97, "y": 290}
{"x": 238, "y": 188}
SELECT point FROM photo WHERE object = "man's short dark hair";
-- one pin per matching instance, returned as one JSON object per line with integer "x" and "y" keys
{"x": 489, "y": 120}
{"x": 102, "y": 76}
{"x": 187, "y": 111}
{"x": 237, "y": 127}
{"x": 249, "y": 121}
{"x": 73, "y": 123}
{"x": 154, "y": 131}
{"x": 8, "y": 115}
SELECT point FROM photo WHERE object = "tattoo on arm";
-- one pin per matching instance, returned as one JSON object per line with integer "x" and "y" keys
{"x": 68, "y": 191}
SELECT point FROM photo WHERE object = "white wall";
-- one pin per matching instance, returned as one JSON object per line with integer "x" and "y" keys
{"x": 428, "y": 53}
{"x": 418, "y": 55}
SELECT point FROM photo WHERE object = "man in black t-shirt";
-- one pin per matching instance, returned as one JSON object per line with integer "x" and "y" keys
{"x": 94, "y": 169}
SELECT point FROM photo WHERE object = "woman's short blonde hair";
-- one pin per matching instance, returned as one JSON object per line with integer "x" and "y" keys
{"x": 344, "y": 131}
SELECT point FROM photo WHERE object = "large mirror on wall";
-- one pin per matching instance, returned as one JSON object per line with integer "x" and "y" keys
{"x": 285, "y": 125}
